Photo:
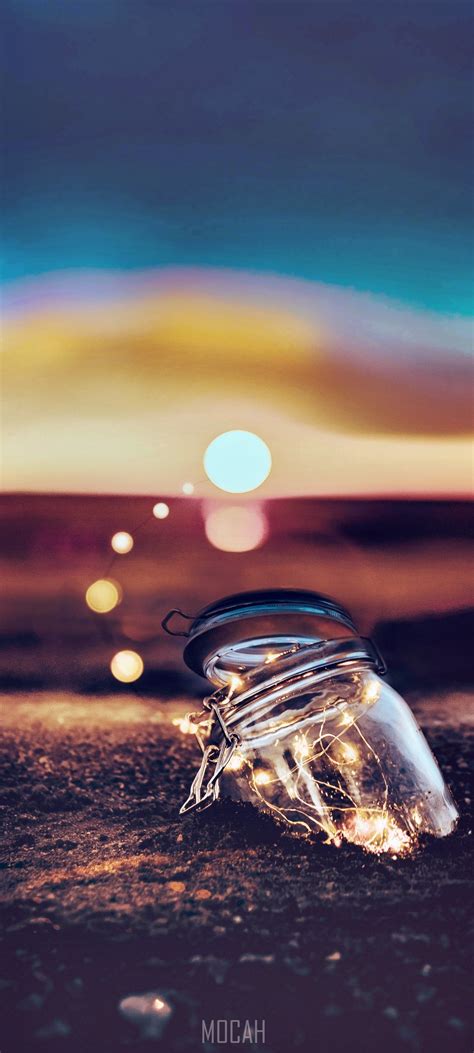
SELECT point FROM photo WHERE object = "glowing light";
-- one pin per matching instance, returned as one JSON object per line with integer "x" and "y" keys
{"x": 262, "y": 778}
{"x": 236, "y": 683}
{"x": 236, "y": 763}
{"x": 103, "y": 595}
{"x": 161, "y": 510}
{"x": 185, "y": 725}
{"x": 371, "y": 692}
{"x": 127, "y": 666}
{"x": 122, "y": 542}
{"x": 346, "y": 719}
{"x": 272, "y": 657}
{"x": 378, "y": 832}
{"x": 236, "y": 529}
{"x": 350, "y": 753}
{"x": 237, "y": 461}
{"x": 302, "y": 748}
{"x": 188, "y": 489}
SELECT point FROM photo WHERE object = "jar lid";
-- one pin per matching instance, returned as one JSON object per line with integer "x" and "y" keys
{"x": 297, "y": 614}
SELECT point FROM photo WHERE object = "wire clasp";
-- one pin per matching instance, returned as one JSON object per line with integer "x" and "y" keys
{"x": 168, "y": 617}
{"x": 202, "y": 794}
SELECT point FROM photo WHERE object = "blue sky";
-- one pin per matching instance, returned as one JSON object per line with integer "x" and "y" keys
{"x": 324, "y": 140}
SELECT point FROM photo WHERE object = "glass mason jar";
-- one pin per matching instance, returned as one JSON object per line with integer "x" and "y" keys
{"x": 302, "y": 725}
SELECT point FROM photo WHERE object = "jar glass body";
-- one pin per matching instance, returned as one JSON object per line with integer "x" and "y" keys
{"x": 346, "y": 758}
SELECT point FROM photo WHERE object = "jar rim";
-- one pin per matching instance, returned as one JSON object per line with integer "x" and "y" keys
{"x": 261, "y": 697}
{"x": 264, "y": 612}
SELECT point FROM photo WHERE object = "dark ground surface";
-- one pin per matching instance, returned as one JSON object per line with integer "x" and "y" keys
{"x": 107, "y": 894}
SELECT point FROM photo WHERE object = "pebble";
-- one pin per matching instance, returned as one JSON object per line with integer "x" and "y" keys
{"x": 31, "y": 1002}
{"x": 149, "y": 1012}
{"x": 268, "y": 959}
{"x": 425, "y": 995}
{"x": 56, "y": 1029}
{"x": 216, "y": 967}
{"x": 297, "y": 965}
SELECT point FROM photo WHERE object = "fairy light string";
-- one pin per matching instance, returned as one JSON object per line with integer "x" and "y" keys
{"x": 376, "y": 827}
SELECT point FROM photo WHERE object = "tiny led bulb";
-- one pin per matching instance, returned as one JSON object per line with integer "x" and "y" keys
{"x": 185, "y": 725}
{"x": 236, "y": 763}
{"x": 302, "y": 748}
{"x": 127, "y": 666}
{"x": 350, "y": 753}
{"x": 161, "y": 510}
{"x": 262, "y": 778}
{"x": 103, "y": 595}
{"x": 122, "y": 542}
{"x": 371, "y": 692}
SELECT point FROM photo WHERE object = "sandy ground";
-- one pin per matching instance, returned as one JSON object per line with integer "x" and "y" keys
{"x": 106, "y": 894}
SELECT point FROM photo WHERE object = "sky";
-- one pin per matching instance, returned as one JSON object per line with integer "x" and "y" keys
{"x": 237, "y": 214}
{"x": 324, "y": 140}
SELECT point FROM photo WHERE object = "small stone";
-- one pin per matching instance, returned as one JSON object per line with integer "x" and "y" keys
{"x": 267, "y": 959}
{"x": 56, "y": 1029}
{"x": 31, "y": 1002}
{"x": 426, "y": 994}
{"x": 149, "y": 1013}
{"x": 75, "y": 986}
{"x": 176, "y": 886}
{"x": 391, "y": 1012}
{"x": 202, "y": 893}
{"x": 296, "y": 965}
{"x": 426, "y": 970}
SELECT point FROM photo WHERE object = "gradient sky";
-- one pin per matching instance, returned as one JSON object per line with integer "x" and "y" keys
{"x": 238, "y": 214}
{"x": 322, "y": 140}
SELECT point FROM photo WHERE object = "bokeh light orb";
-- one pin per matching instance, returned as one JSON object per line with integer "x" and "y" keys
{"x": 126, "y": 666}
{"x": 122, "y": 542}
{"x": 236, "y": 529}
{"x": 188, "y": 489}
{"x": 161, "y": 510}
{"x": 103, "y": 595}
{"x": 237, "y": 461}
